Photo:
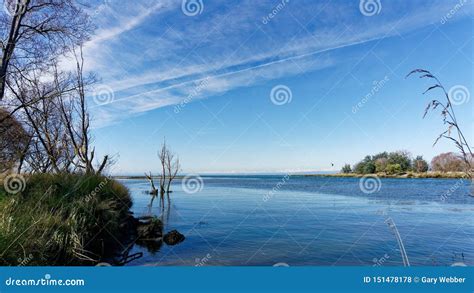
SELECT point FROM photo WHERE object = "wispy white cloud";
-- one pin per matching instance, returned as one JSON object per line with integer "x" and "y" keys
{"x": 124, "y": 24}
{"x": 155, "y": 56}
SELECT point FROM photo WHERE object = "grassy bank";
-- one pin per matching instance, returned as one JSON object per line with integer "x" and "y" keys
{"x": 62, "y": 220}
{"x": 404, "y": 175}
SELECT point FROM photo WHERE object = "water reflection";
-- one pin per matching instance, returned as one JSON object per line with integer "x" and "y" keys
{"x": 151, "y": 227}
{"x": 229, "y": 220}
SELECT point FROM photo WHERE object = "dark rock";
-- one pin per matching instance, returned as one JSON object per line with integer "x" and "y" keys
{"x": 173, "y": 237}
{"x": 149, "y": 228}
{"x": 145, "y": 219}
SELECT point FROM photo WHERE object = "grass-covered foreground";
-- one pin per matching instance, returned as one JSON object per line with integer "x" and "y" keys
{"x": 62, "y": 220}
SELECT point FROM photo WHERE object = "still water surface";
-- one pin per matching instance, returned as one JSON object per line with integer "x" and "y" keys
{"x": 268, "y": 220}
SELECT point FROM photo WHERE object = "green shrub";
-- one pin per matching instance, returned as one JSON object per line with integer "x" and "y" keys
{"x": 380, "y": 164}
{"x": 401, "y": 158}
{"x": 62, "y": 219}
{"x": 369, "y": 168}
{"x": 393, "y": 169}
{"x": 346, "y": 169}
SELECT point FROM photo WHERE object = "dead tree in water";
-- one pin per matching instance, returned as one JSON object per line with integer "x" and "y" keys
{"x": 169, "y": 168}
{"x": 172, "y": 167}
{"x": 162, "y": 156}
{"x": 153, "y": 190}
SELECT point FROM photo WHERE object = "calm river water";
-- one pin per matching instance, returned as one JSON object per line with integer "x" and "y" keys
{"x": 268, "y": 220}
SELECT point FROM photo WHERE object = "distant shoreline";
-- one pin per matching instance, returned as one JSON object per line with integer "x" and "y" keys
{"x": 432, "y": 175}
{"x": 140, "y": 177}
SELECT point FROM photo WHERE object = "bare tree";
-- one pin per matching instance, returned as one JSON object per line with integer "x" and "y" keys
{"x": 172, "y": 168}
{"x": 57, "y": 119}
{"x": 74, "y": 108}
{"x": 153, "y": 191}
{"x": 43, "y": 121}
{"x": 49, "y": 103}
{"x": 169, "y": 168}
{"x": 35, "y": 30}
{"x": 162, "y": 154}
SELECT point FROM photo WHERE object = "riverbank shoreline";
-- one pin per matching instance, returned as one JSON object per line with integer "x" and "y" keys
{"x": 425, "y": 175}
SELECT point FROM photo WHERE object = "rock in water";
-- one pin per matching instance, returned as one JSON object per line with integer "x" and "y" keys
{"x": 173, "y": 237}
{"x": 150, "y": 228}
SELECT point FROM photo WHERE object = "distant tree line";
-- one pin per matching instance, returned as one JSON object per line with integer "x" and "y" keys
{"x": 401, "y": 162}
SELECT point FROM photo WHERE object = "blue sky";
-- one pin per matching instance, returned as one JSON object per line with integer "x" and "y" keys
{"x": 204, "y": 81}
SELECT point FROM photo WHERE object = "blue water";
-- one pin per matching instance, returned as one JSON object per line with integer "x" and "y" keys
{"x": 268, "y": 220}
